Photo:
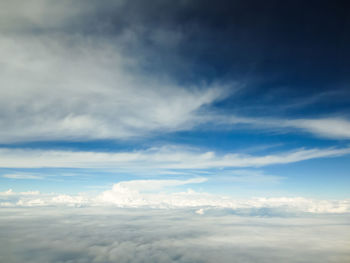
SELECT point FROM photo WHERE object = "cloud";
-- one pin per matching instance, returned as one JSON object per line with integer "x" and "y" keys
{"x": 156, "y": 159}
{"x": 336, "y": 128}
{"x": 247, "y": 176}
{"x": 11, "y": 192}
{"x": 130, "y": 194}
{"x": 162, "y": 194}
{"x": 58, "y": 55}
{"x": 60, "y": 74}
{"x": 147, "y": 235}
{"x": 22, "y": 176}
{"x": 152, "y": 185}
{"x": 59, "y": 83}
{"x": 333, "y": 128}
{"x": 20, "y": 17}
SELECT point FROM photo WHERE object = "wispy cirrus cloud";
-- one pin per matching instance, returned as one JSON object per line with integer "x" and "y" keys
{"x": 60, "y": 74}
{"x": 23, "y": 176}
{"x": 78, "y": 86}
{"x": 127, "y": 97}
{"x": 328, "y": 127}
{"x": 335, "y": 128}
{"x": 167, "y": 157}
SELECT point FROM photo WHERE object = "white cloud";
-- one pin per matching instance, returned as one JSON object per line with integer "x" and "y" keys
{"x": 69, "y": 200}
{"x": 130, "y": 194}
{"x": 337, "y": 128}
{"x": 10, "y": 192}
{"x": 334, "y": 128}
{"x": 162, "y": 194}
{"x": 105, "y": 235}
{"x": 19, "y": 16}
{"x": 155, "y": 159}
{"x": 59, "y": 74}
{"x": 46, "y": 80}
{"x": 247, "y": 176}
{"x": 152, "y": 185}
{"x": 22, "y": 176}
{"x": 64, "y": 86}
{"x": 76, "y": 88}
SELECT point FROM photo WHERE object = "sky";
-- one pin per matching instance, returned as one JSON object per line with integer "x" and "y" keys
{"x": 174, "y": 131}
{"x": 249, "y": 98}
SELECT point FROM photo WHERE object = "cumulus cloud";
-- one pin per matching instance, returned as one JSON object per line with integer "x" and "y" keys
{"x": 11, "y": 198}
{"x": 163, "y": 194}
{"x": 125, "y": 195}
{"x": 152, "y": 185}
{"x": 167, "y": 157}
{"x": 145, "y": 235}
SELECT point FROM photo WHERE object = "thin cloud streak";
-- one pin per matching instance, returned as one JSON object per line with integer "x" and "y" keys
{"x": 335, "y": 128}
{"x": 22, "y": 176}
{"x": 331, "y": 128}
{"x": 167, "y": 157}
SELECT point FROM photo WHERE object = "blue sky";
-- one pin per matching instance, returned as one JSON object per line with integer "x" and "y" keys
{"x": 252, "y": 101}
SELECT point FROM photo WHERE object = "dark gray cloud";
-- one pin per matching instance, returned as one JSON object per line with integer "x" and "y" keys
{"x": 138, "y": 235}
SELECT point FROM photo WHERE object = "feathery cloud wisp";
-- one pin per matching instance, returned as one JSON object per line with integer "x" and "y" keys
{"x": 155, "y": 158}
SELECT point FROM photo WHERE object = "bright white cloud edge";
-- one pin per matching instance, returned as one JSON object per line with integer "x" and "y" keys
{"x": 161, "y": 194}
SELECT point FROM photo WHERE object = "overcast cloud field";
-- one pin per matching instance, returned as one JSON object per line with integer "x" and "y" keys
{"x": 82, "y": 235}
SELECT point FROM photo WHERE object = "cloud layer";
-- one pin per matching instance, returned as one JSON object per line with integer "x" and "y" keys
{"x": 109, "y": 235}
{"x": 163, "y": 194}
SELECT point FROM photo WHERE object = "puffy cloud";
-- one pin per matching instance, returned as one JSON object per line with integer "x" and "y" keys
{"x": 10, "y": 198}
{"x": 130, "y": 194}
{"x": 152, "y": 185}
{"x": 163, "y": 194}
